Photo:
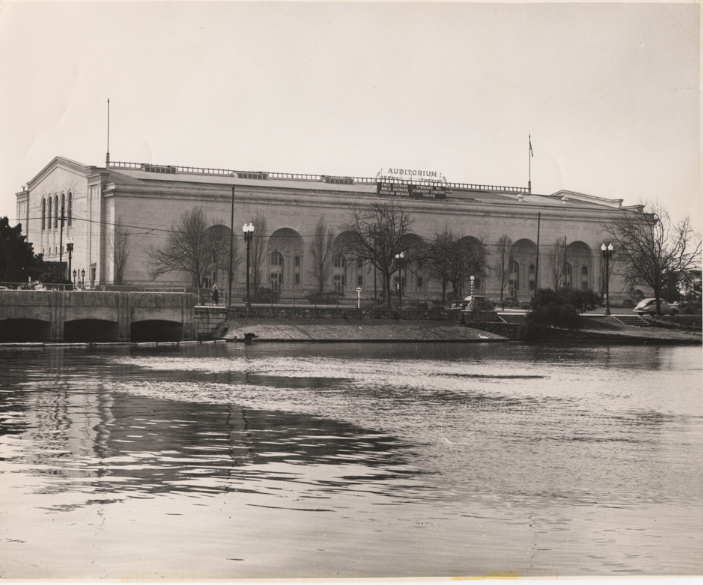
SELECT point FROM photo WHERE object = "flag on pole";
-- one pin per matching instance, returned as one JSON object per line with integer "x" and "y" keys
{"x": 529, "y": 140}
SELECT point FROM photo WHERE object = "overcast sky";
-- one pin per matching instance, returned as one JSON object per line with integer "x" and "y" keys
{"x": 609, "y": 92}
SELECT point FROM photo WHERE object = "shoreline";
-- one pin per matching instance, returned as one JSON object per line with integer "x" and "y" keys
{"x": 267, "y": 330}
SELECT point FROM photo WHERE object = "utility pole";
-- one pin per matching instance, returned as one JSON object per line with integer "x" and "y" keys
{"x": 539, "y": 214}
{"x": 231, "y": 250}
{"x": 565, "y": 281}
{"x": 530, "y": 154}
{"x": 61, "y": 242}
{"x": 107, "y": 156}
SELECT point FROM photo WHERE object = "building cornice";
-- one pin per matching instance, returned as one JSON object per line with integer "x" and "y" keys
{"x": 305, "y": 198}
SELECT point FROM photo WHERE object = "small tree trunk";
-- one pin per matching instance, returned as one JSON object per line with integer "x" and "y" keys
{"x": 387, "y": 278}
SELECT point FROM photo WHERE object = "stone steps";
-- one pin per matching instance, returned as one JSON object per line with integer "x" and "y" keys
{"x": 632, "y": 320}
{"x": 512, "y": 318}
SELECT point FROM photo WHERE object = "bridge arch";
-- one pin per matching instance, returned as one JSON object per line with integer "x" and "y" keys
{"x": 24, "y": 330}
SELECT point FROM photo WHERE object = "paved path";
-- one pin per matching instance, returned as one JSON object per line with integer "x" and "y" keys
{"x": 609, "y": 326}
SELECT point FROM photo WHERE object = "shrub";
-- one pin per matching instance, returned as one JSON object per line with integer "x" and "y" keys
{"x": 554, "y": 315}
{"x": 264, "y": 295}
{"x": 324, "y": 298}
{"x": 556, "y": 308}
{"x": 628, "y": 303}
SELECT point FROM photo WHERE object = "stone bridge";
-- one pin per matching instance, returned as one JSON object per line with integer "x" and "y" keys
{"x": 96, "y": 316}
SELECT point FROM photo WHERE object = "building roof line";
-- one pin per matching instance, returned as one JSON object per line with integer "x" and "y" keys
{"x": 60, "y": 160}
{"x": 267, "y": 175}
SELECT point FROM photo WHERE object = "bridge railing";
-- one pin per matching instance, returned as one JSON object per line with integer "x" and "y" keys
{"x": 34, "y": 286}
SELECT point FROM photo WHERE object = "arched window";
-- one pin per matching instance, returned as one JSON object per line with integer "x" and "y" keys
{"x": 70, "y": 207}
{"x": 43, "y": 214}
{"x": 340, "y": 261}
{"x": 276, "y": 259}
{"x": 48, "y": 225}
{"x": 297, "y": 261}
{"x": 63, "y": 207}
{"x": 56, "y": 211}
{"x": 584, "y": 271}
{"x": 532, "y": 277}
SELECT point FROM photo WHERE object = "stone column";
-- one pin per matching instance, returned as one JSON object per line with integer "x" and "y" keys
{"x": 58, "y": 314}
{"x": 124, "y": 316}
{"x": 188, "y": 317}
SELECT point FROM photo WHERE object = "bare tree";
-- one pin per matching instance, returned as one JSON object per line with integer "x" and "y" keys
{"x": 381, "y": 232}
{"x": 194, "y": 245}
{"x": 557, "y": 260}
{"x": 439, "y": 259}
{"x": 650, "y": 249}
{"x": 322, "y": 253}
{"x": 502, "y": 262}
{"x": 120, "y": 243}
{"x": 258, "y": 250}
{"x": 454, "y": 259}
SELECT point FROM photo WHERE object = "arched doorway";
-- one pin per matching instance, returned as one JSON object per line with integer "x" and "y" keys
{"x": 348, "y": 272}
{"x": 217, "y": 244}
{"x": 474, "y": 251}
{"x": 414, "y": 273}
{"x": 579, "y": 265}
{"x": 285, "y": 254}
{"x": 523, "y": 274}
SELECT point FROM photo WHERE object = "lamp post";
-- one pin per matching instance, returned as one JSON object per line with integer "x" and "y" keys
{"x": 61, "y": 242}
{"x": 399, "y": 259}
{"x": 607, "y": 254}
{"x": 83, "y": 278}
{"x": 69, "y": 247}
{"x": 248, "y": 229}
{"x": 74, "y": 278}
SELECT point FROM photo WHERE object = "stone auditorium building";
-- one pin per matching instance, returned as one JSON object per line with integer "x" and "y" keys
{"x": 149, "y": 199}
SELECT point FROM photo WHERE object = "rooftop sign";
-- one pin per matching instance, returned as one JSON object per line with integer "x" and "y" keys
{"x": 412, "y": 175}
{"x": 424, "y": 191}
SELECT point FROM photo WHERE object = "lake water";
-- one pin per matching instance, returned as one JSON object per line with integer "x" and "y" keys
{"x": 350, "y": 460}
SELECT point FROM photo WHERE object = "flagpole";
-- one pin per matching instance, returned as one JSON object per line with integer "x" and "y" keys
{"x": 107, "y": 157}
{"x": 529, "y": 164}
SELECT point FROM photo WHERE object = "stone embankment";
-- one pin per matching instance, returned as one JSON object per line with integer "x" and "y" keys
{"x": 343, "y": 330}
{"x": 344, "y": 325}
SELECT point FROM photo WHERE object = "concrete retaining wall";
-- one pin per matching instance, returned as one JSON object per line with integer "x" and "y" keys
{"x": 124, "y": 308}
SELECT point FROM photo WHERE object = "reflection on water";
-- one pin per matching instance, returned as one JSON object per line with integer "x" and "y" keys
{"x": 412, "y": 460}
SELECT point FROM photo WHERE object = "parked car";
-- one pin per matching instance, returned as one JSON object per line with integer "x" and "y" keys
{"x": 650, "y": 306}
{"x": 510, "y": 303}
{"x": 484, "y": 303}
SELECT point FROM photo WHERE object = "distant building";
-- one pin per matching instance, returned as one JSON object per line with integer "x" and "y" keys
{"x": 148, "y": 197}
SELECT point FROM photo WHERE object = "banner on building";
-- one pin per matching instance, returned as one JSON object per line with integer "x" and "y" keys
{"x": 425, "y": 191}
